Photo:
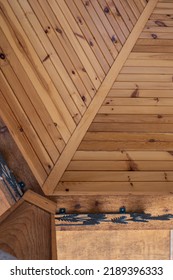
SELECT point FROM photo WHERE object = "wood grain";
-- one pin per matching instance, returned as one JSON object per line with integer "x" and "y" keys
{"x": 119, "y": 245}
{"x": 25, "y": 234}
{"x": 61, "y": 164}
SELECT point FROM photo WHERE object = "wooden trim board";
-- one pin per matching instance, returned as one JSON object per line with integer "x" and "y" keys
{"x": 40, "y": 201}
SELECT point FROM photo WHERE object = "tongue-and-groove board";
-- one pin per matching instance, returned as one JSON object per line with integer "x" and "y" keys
{"x": 129, "y": 145}
{"x": 55, "y": 56}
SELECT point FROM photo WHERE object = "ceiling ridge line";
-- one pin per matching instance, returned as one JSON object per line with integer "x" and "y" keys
{"x": 76, "y": 138}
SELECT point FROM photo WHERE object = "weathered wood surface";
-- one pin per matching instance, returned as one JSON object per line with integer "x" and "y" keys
{"x": 10, "y": 191}
{"x": 15, "y": 160}
{"x": 117, "y": 245}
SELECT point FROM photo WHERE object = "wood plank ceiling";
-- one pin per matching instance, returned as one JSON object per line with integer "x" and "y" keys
{"x": 90, "y": 81}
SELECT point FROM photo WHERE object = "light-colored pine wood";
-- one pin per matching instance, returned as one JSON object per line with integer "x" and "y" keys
{"x": 136, "y": 110}
{"x": 66, "y": 76}
{"x": 118, "y": 16}
{"x": 25, "y": 124}
{"x": 112, "y": 188}
{"x": 124, "y": 15}
{"x": 138, "y": 101}
{"x": 19, "y": 49}
{"x": 92, "y": 66}
{"x": 78, "y": 15}
{"x": 125, "y": 136}
{"x": 155, "y": 48}
{"x": 147, "y": 70}
{"x": 129, "y": 11}
{"x": 110, "y": 176}
{"x": 156, "y": 63}
{"x": 31, "y": 95}
{"x": 160, "y": 36}
{"x": 106, "y": 27}
{"x": 161, "y": 11}
{"x": 120, "y": 245}
{"x": 62, "y": 90}
{"x": 97, "y": 35}
{"x": 120, "y": 165}
{"x": 140, "y": 93}
{"x": 130, "y": 145}
{"x": 123, "y": 155}
{"x": 153, "y": 56}
{"x": 134, "y": 8}
{"x": 112, "y": 19}
{"x": 54, "y": 177}
{"x": 110, "y": 118}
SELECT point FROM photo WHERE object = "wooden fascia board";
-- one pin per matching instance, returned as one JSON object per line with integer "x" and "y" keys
{"x": 65, "y": 158}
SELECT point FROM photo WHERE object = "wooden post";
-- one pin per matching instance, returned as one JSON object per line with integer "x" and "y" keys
{"x": 26, "y": 229}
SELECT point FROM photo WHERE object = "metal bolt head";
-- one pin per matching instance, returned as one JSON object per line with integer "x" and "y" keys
{"x": 122, "y": 210}
{"x": 62, "y": 211}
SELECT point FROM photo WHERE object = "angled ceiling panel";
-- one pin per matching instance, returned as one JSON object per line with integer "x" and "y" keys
{"x": 59, "y": 59}
{"x": 129, "y": 145}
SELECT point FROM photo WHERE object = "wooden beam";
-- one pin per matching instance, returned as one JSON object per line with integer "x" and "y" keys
{"x": 54, "y": 177}
{"x": 40, "y": 201}
{"x": 141, "y": 213}
{"x": 148, "y": 203}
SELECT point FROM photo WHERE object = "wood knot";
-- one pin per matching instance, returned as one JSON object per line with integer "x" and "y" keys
{"x": 106, "y": 10}
{"x": 80, "y": 21}
{"x": 154, "y": 36}
{"x": 2, "y": 56}
{"x": 113, "y": 39}
{"x": 91, "y": 43}
{"x": 83, "y": 98}
{"x": 58, "y": 30}
{"x": 160, "y": 23}
{"x": 77, "y": 206}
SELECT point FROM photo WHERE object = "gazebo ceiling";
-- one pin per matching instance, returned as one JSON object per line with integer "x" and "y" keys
{"x": 87, "y": 92}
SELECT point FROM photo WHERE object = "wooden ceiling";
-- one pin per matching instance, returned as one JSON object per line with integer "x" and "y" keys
{"x": 86, "y": 91}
